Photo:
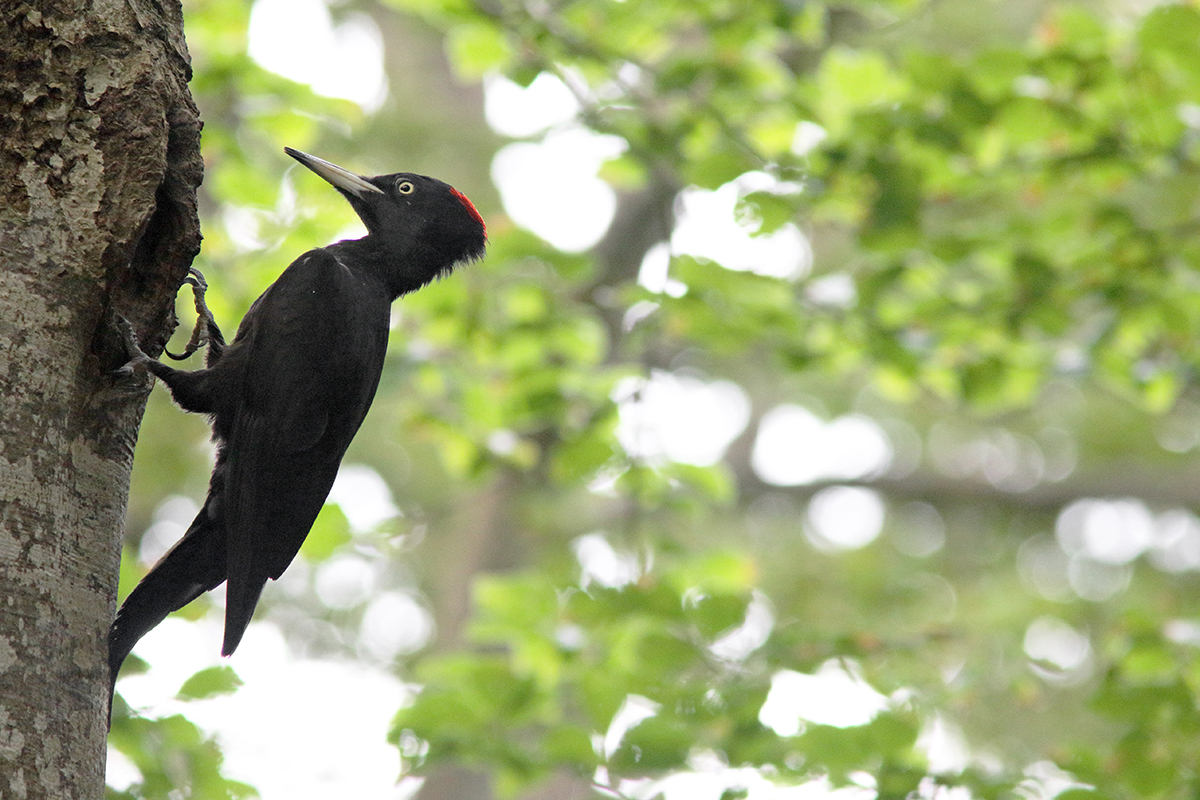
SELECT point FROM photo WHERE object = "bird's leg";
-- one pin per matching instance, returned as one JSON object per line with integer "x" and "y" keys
{"x": 206, "y": 325}
{"x": 193, "y": 391}
{"x": 139, "y": 360}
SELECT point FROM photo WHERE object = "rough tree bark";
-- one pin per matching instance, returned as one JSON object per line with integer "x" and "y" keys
{"x": 99, "y": 164}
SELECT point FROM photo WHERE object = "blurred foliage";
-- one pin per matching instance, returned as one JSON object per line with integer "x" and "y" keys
{"x": 1009, "y": 192}
{"x": 171, "y": 752}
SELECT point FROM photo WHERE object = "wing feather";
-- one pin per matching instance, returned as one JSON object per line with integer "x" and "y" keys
{"x": 314, "y": 345}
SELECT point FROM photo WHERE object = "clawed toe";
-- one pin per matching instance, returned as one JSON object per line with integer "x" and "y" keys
{"x": 128, "y": 337}
{"x": 132, "y": 351}
{"x": 204, "y": 318}
{"x": 125, "y": 329}
{"x": 196, "y": 278}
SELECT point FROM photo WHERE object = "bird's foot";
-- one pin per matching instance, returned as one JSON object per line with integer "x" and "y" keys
{"x": 196, "y": 278}
{"x": 132, "y": 350}
{"x": 204, "y": 318}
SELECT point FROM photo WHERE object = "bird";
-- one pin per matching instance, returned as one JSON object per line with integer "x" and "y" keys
{"x": 288, "y": 394}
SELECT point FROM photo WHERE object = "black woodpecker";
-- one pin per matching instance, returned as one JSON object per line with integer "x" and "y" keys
{"x": 287, "y": 395}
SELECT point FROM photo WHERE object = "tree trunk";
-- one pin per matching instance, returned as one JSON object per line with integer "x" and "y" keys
{"x": 99, "y": 164}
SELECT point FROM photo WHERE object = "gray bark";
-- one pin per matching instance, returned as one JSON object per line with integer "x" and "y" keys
{"x": 99, "y": 163}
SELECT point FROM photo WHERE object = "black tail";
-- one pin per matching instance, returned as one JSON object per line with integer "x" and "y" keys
{"x": 195, "y": 565}
{"x": 239, "y": 608}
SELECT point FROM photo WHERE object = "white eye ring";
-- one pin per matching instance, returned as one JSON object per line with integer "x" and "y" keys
{"x": 405, "y": 187}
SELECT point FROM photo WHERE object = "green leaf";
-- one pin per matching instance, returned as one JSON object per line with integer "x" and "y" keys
{"x": 1078, "y": 793}
{"x": 330, "y": 531}
{"x": 770, "y": 210}
{"x": 715, "y": 483}
{"x": 580, "y": 456}
{"x": 1172, "y": 28}
{"x": 477, "y": 48}
{"x": 661, "y": 742}
{"x": 717, "y": 614}
{"x": 572, "y": 744}
{"x": 210, "y": 682}
{"x": 715, "y": 571}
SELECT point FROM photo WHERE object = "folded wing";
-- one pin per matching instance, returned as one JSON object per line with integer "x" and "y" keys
{"x": 314, "y": 347}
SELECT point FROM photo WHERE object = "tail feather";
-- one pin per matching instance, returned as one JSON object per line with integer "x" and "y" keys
{"x": 195, "y": 565}
{"x": 240, "y": 601}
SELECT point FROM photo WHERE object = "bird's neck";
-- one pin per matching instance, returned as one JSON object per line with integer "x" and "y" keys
{"x": 399, "y": 272}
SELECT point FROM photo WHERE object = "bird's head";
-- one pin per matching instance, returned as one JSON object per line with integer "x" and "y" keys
{"x": 419, "y": 222}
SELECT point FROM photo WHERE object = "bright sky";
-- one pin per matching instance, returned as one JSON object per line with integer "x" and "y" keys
{"x": 297, "y": 39}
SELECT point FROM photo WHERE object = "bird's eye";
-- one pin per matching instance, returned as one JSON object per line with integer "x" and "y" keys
{"x": 404, "y": 187}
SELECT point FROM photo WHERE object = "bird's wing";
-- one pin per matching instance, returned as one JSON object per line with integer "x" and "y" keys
{"x": 314, "y": 346}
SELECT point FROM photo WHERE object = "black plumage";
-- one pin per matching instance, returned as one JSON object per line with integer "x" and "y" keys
{"x": 287, "y": 395}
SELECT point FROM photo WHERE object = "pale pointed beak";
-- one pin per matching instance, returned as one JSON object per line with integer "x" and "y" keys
{"x": 343, "y": 179}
